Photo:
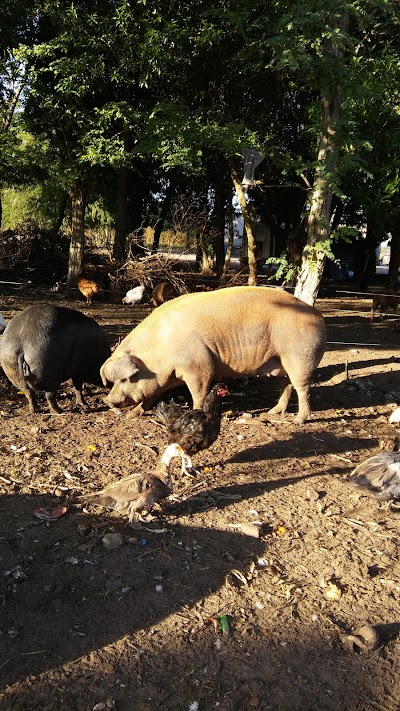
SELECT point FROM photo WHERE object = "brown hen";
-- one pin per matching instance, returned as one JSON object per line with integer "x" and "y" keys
{"x": 88, "y": 288}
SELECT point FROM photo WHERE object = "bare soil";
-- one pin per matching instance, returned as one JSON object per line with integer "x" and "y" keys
{"x": 139, "y": 627}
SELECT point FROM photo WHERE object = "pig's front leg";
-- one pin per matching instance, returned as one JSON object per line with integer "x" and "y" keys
{"x": 199, "y": 385}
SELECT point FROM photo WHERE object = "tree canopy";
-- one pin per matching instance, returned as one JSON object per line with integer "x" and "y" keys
{"x": 128, "y": 98}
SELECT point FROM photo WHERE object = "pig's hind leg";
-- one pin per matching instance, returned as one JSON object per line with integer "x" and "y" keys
{"x": 283, "y": 402}
{"x": 79, "y": 399}
{"x": 51, "y": 399}
{"x": 32, "y": 402}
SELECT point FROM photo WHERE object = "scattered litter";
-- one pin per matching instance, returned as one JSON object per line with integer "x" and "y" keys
{"x": 105, "y": 705}
{"x": 262, "y": 563}
{"x": 279, "y": 531}
{"x": 194, "y": 706}
{"x": 72, "y": 560}
{"x": 368, "y": 638}
{"x": 91, "y": 448}
{"x": 249, "y": 529}
{"x": 312, "y": 495}
{"x": 142, "y": 542}
{"x": 331, "y": 590}
{"x": 224, "y": 622}
{"x": 395, "y": 416}
{"x": 229, "y": 415}
{"x": 16, "y": 449}
{"x": 239, "y": 575}
{"x": 364, "y": 639}
{"x": 17, "y": 573}
{"x": 207, "y": 470}
{"x": 244, "y": 418}
{"x": 111, "y": 541}
{"x": 258, "y": 604}
{"x": 240, "y": 437}
{"x": 50, "y": 514}
{"x": 159, "y": 588}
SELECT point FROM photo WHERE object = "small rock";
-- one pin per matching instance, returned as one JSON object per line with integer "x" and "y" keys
{"x": 111, "y": 541}
{"x": 312, "y": 495}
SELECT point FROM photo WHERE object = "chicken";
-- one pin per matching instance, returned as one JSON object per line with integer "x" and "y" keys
{"x": 3, "y": 324}
{"x": 88, "y": 288}
{"x": 194, "y": 430}
{"x": 134, "y": 296}
{"x": 137, "y": 491}
{"x": 381, "y": 474}
{"x": 163, "y": 292}
{"x": 387, "y": 300}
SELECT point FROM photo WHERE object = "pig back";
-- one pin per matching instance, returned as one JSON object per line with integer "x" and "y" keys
{"x": 242, "y": 327}
{"x": 47, "y": 345}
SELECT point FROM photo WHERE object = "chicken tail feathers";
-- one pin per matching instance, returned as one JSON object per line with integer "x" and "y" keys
{"x": 380, "y": 474}
{"x": 167, "y": 414}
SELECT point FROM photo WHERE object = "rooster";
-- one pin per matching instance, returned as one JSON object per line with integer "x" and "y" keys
{"x": 88, "y": 288}
{"x": 381, "y": 474}
{"x": 134, "y": 296}
{"x": 138, "y": 491}
{"x": 194, "y": 430}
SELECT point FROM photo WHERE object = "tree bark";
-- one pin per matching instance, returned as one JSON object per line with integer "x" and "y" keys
{"x": 163, "y": 214}
{"x": 78, "y": 195}
{"x": 318, "y": 230}
{"x": 121, "y": 220}
{"x": 394, "y": 264}
{"x": 219, "y": 227}
{"x": 229, "y": 246}
{"x": 252, "y": 280}
{"x": 60, "y": 217}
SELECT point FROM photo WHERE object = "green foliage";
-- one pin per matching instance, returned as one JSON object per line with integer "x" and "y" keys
{"x": 35, "y": 203}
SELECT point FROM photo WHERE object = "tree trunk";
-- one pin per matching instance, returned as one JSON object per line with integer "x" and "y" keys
{"x": 219, "y": 228}
{"x": 252, "y": 280}
{"x": 78, "y": 195}
{"x": 318, "y": 231}
{"x": 121, "y": 221}
{"x": 229, "y": 246}
{"x": 60, "y": 217}
{"x": 394, "y": 263}
{"x": 163, "y": 213}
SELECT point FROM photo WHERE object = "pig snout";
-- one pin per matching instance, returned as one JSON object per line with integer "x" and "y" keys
{"x": 121, "y": 374}
{"x": 118, "y": 399}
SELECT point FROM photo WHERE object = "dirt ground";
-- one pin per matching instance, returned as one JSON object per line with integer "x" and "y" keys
{"x": 139, "y": 628}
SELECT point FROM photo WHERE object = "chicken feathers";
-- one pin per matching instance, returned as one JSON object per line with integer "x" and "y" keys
{"x": 380, "y": 474}
{"x": 88, "y": 288}
{"x": 193, "y": 430}
{"x": 134, "y": 296}
{"x": 136, "y": 492}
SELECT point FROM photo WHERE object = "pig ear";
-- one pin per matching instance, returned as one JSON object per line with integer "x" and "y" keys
{"x": 118, "y": 369}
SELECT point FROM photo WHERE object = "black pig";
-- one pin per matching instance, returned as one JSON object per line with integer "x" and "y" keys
{"x": 45, "y": 345}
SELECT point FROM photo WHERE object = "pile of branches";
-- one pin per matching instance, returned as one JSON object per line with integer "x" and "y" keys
{"x": 30, "y": 250}
{"x": 147, "y": 271}
{"x": 15, "y": 247}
